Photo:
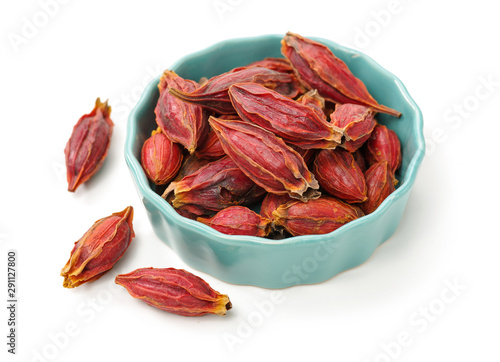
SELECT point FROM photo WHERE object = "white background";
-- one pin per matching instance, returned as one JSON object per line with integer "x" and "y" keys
{"x": 430, "y": 293}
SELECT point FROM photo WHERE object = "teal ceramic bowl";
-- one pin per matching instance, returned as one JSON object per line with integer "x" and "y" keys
{"x": 296, "y": 260}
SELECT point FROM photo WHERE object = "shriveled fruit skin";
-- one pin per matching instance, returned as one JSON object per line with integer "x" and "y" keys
{"x": 379, "y": 183}
{"x": 88, "y": 145}
{"x": 181, "y": 122}
{"x": 215, "y": 186}
{"x": 355, "y": 122}
{"x": 238, "y": 220}
{"x": 293, "y": 121}
{"x": 99, "y": 248}
{"x": 319, "y": 216}
{"x": 174, "y": 290}
{"x": 383, "y": 145}
{"x": 161, "y": 158}
{"x": 266, "y": 159}
{"x": 318, "y": 68}
{"x": 339, "y": 175}
{"x": 213, "y": 95}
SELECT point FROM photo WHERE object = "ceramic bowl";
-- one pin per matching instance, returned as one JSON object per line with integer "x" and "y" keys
{"x": 295, "y": 260}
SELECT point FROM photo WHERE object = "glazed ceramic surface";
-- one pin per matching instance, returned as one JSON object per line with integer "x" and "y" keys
{"x": 296, "y": 260}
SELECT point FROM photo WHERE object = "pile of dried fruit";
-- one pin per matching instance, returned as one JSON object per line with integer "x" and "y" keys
{"x": 173, "y": 290}
{"x": 296, "y": 136}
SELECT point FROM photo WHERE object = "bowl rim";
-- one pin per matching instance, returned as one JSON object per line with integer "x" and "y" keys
{"x": 142, "y": 182}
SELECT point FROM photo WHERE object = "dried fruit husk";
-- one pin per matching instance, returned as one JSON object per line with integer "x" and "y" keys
{"x": 319, "y": 216}
{"x": 99, "y": 249}
{"x": 294, "y": 122}
{"x": 213, "y": 95}
{"x": 181, "y": 122}
{"x": 238, "y": 220}
{"x": 379, "y": 183}
{"x": 174, "y": 290}
{"x": 318, "y": 68}
{"x": 161, "y": 158}
{"x": 88, "y": 145}
{"x": 266, "y": 159}
{"x": 339, "y": 175}
{"x": 215, "y": 186}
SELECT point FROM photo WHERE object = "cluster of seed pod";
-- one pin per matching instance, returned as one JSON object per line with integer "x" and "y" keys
{"x": 296, "y": 136}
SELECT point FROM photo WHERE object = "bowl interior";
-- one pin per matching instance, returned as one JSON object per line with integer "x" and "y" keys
{"x": 219, "y": 58}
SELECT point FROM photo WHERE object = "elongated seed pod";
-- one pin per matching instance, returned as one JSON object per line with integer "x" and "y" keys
{"x": 174, "y": 290}
{"x": 296, "y": 123}
{"x": 181, "y": 122}
{"x": 213, "y": 94}
{"x": 319, "y": 216}
{"x": 99, "y": 248}
{"x": 339, "y": 175}
{"x": 238, "y": 220}
{"x": 318, "y": 68}
{"x": 266, "y": 159}
{"x": 88, "y": 145}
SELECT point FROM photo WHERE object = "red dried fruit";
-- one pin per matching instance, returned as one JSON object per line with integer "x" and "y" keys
{"x": 190, "y": 165}
{"x": 161, "y": 159}
{"x": 265, "y": 158}
{"x": 99, "y": 248}
{"x": 355, "y": 122}
{"x": 211, "y": 147}
{"x": 383, "y": 145}
{"x": 294, "y": 122}
{"x": 307, "y": 154}
{"x": 379, "y": 183}
{"x": 174, "y": 290}
{"x": 88, "y": 145}
{"x": 214, "y": 187}
{"x": 181, "y": 122}
{"x": 318, "y": 68}
{"x": 238, "y": 220}
{"x": 338, "y": 173}
{"x": 213, "y": 94}
{"x": 319, "y": 216}
{"x": 360, "y": 160}
{"x": 313, "y": 100}
{"x": 271, "y": 202}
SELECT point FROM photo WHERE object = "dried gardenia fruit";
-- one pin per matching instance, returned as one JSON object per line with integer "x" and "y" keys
{"x": 160, "y": 158}
{"x": 318, "y": 68}
{"x": 313, "y": 100}
{"x": 265, "y": 158}
{"x": 383, "y": 145}
{"x": 355, "y": 122}
{"x": 211, "y": 147}
{"x": 213, "y": 94}
{"x": 319, "y": 216}
{"x": 99, "y": 248}
{"x": 174, "y": 290}
{"x": 307, "y": 154}
{"x": 88, "y": 145}
{"x": 271, "y": 202}
{"x": 215, "y": 186}
{"x": 181, "y": 122}
{"x": 238, "y": 220}
{"x": 294, "y": 122}
{"x": 190, "y": 165}
{"x": 338, "y": 173}
{"x": 379, "y": 182}
{"x": 360, "y": 160}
